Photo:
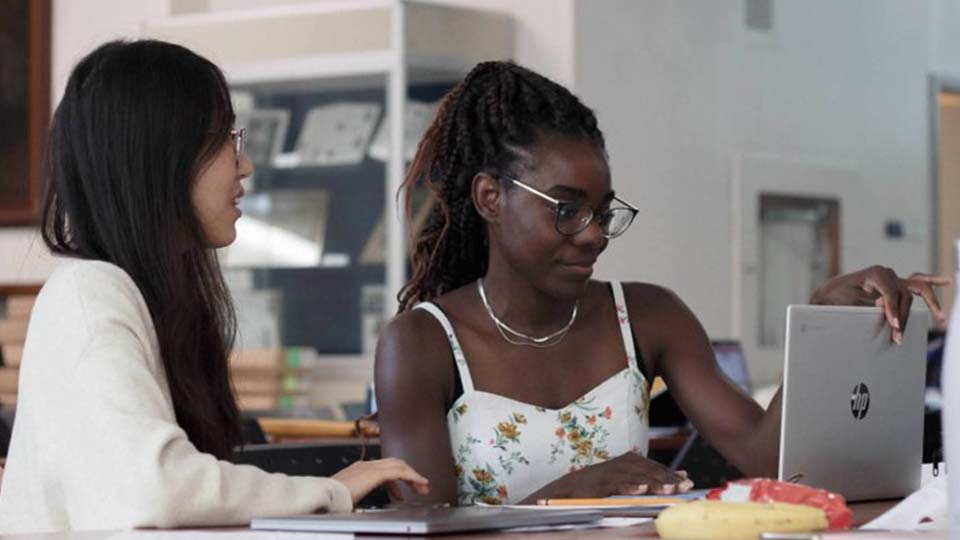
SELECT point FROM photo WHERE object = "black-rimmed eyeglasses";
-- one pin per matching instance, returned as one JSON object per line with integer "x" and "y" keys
{"x": 573, "y": 217}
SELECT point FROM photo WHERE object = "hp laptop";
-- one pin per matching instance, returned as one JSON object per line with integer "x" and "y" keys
{"x": 853, "y": 402}
{"x": 426, "y": 520}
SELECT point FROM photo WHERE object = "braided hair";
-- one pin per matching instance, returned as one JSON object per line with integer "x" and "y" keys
{"x": 499, "y": 109}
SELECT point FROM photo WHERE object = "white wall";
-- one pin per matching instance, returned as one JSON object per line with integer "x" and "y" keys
{"x": 651, "y": 71}
{"x": 681, "y": 89}
{"x": 945, "y": 15}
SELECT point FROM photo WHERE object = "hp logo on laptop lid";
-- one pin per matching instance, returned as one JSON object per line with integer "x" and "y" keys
{"x": 860, "y": 401}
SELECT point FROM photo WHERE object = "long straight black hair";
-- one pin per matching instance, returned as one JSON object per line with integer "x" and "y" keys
{"x": 138, "y": 122}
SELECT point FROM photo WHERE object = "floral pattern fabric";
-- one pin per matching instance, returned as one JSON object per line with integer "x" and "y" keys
{"x": 505, "y": 449}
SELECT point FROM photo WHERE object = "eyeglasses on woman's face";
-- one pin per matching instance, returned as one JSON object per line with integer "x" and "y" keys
{"x": 573, "y": 217}
{"x": 239, "y": 138}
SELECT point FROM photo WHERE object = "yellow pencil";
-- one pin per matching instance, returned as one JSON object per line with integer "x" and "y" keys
{"x": 622, "y": 501}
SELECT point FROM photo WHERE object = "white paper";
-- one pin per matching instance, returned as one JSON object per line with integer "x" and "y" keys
{"x": 924, "y": 510}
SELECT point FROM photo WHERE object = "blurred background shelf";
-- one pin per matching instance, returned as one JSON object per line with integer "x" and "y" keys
{"x": 322, "y": 248}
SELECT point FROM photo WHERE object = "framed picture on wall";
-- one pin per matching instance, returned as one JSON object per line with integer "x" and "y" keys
{"x": 24, "y": 106}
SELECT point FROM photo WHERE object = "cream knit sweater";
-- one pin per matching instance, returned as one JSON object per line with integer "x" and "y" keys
{"x": 96, "y": 445}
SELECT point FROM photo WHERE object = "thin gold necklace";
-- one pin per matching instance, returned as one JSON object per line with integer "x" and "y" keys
{"x": 528, "y": 340}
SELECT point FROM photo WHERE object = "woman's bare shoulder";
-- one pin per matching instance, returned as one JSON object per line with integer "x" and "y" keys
{"x": 655, "y": 306}
{"x": 650, "y": 298}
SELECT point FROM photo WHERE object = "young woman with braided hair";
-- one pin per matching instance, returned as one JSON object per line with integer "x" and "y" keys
{"x": 509, "y": 375}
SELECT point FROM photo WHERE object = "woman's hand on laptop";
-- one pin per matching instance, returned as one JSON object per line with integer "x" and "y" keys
{"x": 362, "y": 477}
{"x": 627, "y": 474}
{"x": 882, "y": 287}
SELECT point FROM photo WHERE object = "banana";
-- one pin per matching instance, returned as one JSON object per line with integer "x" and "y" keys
{"x": 736, "y": 520}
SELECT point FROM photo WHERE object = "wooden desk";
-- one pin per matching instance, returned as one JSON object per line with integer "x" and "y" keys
{"x": 862, "y": 513}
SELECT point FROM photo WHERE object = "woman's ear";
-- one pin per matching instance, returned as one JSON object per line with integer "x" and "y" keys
{"x": 486, "y": 196}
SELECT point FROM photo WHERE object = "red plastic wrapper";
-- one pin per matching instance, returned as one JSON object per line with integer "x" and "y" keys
{"x": 765, "y": 490}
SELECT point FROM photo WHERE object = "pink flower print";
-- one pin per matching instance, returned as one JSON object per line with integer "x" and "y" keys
{"x": 592, "y": 420}
{"x": 560, "y": 432}
{"x": 607, "y": 413}
{"x": 491, "y": 441}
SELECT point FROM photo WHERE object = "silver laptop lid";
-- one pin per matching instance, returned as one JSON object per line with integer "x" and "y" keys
{"x": 853, "y": 401}
{"x": 426, "y": 520}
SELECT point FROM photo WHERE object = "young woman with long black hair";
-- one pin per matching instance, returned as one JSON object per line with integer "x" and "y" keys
{"x": 509, "y": 374}
{"x": 125, "y": 413}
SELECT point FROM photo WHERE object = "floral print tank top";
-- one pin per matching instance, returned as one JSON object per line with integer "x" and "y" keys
{"x": 506, "y": 449}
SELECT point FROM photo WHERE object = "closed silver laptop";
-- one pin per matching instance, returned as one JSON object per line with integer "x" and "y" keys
{"x": 426, "y": 520}
{"x": 853, "y": 402}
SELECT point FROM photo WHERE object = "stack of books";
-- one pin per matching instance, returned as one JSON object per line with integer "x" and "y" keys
{"x": 13, "y": 332}
{"x": 271, "y": 378}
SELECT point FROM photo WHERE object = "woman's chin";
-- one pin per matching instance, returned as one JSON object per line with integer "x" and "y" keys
{"x": 222, "y": 240}
{"x": 570, "y": 286}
